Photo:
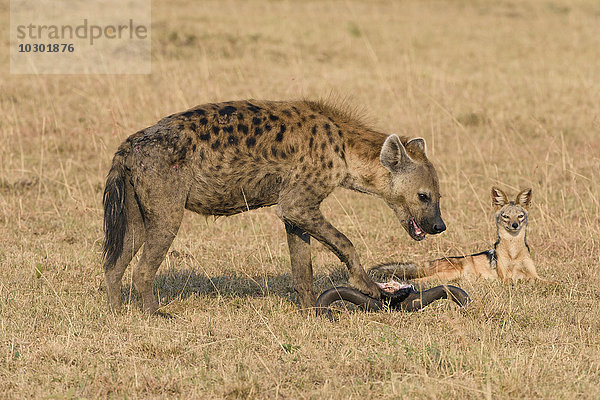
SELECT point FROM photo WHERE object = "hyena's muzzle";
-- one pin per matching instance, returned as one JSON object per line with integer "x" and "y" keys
{"x": 433, "y": 224}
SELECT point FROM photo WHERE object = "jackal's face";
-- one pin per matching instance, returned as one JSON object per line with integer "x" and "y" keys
{"x": 511, "y": 216}
{"x": 413, "y": 190}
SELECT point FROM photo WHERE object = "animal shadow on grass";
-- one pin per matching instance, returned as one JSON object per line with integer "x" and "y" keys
{"x": 176, "y": 283}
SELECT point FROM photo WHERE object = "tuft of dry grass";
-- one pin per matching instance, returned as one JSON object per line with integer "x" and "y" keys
{"x": 505, "y": 93}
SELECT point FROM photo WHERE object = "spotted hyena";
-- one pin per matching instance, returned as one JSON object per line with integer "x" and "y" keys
{"x": 226, "y": 158}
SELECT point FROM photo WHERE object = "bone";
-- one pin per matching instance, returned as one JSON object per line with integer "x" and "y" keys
{"x": 414, "y": 301}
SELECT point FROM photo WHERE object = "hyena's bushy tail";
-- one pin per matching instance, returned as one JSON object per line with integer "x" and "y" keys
{"x": 398, "y": 270}
{"x": 115, "y": 213}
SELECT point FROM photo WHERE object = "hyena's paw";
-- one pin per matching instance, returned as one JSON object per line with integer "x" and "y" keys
{"x": 162, "y": 314}
{"x": 365, "y": 285}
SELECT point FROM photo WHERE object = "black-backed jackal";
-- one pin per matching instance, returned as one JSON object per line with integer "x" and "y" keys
{"x": 509, "y": 260}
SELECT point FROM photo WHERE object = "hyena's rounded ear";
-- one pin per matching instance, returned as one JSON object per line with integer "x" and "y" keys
{"x": 524, "y": 198}
{"x": 393, "y": 154}
{"x": 499, "y": 198}
{"x": 417, "y": 148}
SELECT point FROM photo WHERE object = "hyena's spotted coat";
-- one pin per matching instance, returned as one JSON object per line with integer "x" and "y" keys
{"x": 222, "y": 159}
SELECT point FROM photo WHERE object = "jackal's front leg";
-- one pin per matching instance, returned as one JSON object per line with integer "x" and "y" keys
{"x": 502, "y": 268}
{"x": 531, "y": 272}
{"x": 312, "y": 221}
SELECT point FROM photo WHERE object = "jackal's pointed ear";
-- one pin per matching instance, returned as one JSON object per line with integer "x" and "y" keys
{"x": 499, "y": 198}
{"x": 524, "y": 198}
{"x": 393, "y": 154}
{"x": 417, "y": 148}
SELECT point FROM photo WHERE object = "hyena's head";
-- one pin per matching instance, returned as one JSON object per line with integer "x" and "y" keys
{"x": 413, "y": 190}
{"x": 511, "y": 216}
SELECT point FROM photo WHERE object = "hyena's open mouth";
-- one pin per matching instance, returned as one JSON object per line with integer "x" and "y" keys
{"x": 415, "y": 230}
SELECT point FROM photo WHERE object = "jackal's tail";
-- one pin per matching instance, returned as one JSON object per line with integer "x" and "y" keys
{"x": 115, "y": 217}
{"x": 402, "y": 271}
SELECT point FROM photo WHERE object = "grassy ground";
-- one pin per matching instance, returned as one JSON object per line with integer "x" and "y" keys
{"x": 506, "y": 93}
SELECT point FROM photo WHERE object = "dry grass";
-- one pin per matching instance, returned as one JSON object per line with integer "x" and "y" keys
{"x": 506, "y": 93}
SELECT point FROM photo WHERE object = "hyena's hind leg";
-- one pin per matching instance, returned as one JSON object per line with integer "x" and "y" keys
{"x": 132, "y": 241}
{"x": 163, "y": 208}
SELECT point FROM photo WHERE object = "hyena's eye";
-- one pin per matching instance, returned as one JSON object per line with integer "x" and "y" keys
{"x": 424, "y": 197}
{"x": 521, "y": 216}
{"x": 504, "y": 216}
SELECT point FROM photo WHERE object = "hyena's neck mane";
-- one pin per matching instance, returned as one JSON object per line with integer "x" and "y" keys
{"x": 363, "y": 147}
{"x": 362, "y": 140}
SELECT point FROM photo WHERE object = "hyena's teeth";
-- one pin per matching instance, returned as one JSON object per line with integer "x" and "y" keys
{"x": 416, "y": 227}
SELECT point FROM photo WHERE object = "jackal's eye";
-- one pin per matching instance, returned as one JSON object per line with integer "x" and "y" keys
{"x": 424, "y": 197}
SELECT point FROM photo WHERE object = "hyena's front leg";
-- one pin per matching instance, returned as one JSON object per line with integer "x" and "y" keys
{"x": 302, "y": 273}
{"x": 310, "y": 219}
